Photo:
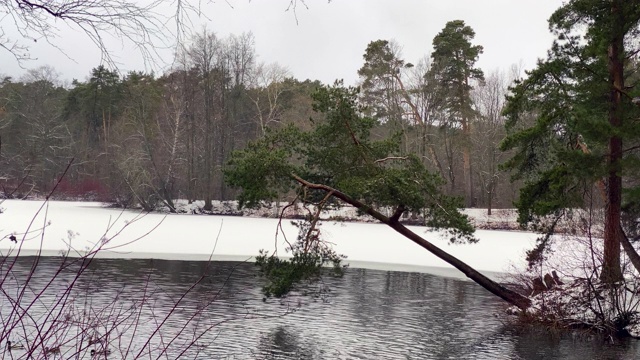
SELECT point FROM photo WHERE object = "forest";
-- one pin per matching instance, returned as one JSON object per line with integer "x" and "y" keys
{"x": 425, "y": 136}
{"x": 144, "y": 139}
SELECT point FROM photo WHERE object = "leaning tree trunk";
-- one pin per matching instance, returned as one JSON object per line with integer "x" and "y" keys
{"x": 509, "y": 296}
{"x": 633, "y": 255}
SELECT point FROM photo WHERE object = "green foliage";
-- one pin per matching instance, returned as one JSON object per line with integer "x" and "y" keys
{"x": 310, "y": 259}
{"x": 264, "y": 167}
{"x": 96, "y": 101}
{"x": 380, "y": 75}
{"x": 566, "y": 96}
{"x": 562, "y": 119}
{"x": 337, "y": 152}
{"x": 453, "y": 68}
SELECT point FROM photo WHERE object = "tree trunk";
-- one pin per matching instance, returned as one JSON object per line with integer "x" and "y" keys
{"x": 611, "y": 271}
{"x": 433, "y": 155}
{"x": 633, "y": 255}
{"x": 493, "y": 287}
{"x": 466, "y": 165}
{"x": 208, "y": 142}
{"x": 509, "y": 296}
{"x": 469, "y": 198}
{"x": 489, "y": 202}
{"x": 468, "y": 176}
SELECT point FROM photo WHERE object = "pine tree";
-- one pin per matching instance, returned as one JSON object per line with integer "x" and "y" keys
{"x": 585, "y": 129}
{"x": 453, "y": 68}
{"x": 338, "y": 162}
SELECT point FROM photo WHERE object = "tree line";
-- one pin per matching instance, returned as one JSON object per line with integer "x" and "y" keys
{"x": 142, "y": 139}
{"x": 409, "y": 137}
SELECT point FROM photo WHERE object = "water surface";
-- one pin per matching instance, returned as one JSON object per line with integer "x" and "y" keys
{"x": 367, "y": 314}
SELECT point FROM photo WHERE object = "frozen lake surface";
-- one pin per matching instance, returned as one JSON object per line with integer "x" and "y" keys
{"x": 81, "y": 226}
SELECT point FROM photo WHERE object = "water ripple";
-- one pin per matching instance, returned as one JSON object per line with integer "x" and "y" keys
{"x": 367, "y": 314}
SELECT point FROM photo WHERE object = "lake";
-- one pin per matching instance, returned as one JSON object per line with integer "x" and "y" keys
{"x": 367, "y": 314}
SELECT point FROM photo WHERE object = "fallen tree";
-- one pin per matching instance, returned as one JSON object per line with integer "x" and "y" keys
{"x": 339, "y": 161}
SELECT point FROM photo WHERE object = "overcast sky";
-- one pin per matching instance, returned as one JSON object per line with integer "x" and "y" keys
{"x": 328, "y": 40}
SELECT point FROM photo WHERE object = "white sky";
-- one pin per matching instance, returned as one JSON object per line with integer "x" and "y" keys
{"x": 329, "y": 39}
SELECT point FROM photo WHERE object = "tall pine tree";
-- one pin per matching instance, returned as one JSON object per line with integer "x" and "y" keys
{"x": 453, "y": 68}
{"x": 585, "y": 130}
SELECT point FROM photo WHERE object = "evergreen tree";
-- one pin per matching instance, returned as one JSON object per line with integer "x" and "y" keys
{"x": 453, "y": 68}
{"x": 382, "y": 86}
{"x": 585, "y": 130}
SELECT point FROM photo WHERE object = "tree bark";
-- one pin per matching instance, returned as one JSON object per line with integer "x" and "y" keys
{"x": 489, "y": 202}
{"x": 469, "y": 200}
{"x": 631, "y": 252}
{"x": 493, "y": 287}
{"x": 611, "y": 271}
{"x": 466, "y": 147}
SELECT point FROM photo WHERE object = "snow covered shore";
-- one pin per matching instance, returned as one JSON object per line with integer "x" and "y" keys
{"x": 500, "y": 219}
{"x": 132, "y": 234}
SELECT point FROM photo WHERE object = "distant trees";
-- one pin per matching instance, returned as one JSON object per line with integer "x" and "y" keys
{"x": 444, "y": 110}
{"x": 37, "y": 141}
{"x": 145, "y": 140}
{"x": 488, "y": 130}
{"x": 134, "y": 150}
{"x": 205, "y": 56}
{"x": 227, "y": 98}
{"x": 267, "y": 86}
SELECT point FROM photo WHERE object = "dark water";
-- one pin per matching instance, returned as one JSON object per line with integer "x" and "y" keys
{"x": 367, "y": 314}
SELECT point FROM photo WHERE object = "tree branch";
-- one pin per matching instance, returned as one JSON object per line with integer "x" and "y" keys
{"x": 396, "y": 215}
{"x": 509, "y": 296}
{"x": 391, "y": 158}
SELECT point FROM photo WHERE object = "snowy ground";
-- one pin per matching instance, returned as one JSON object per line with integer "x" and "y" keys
{"x": 131, "y": 234}
{"x": 500, "y": 219}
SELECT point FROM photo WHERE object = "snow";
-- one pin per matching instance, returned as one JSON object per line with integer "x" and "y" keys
{"x": 55, "y": 227}
{"x": 505, "y": 219}
{"x": 588, "y": 303}
{"x": 583, "y": 301}
{"x": 131, "y": 234}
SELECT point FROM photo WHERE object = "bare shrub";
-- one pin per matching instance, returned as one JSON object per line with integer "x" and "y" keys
{"x": 64, "y": 314}
{"x": 565, "y": 285}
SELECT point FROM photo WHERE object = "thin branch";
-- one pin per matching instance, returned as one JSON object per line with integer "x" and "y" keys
{"x": 391, "y": 158}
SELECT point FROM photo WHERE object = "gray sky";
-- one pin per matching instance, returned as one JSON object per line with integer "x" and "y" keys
{"x": 329, "y": 39}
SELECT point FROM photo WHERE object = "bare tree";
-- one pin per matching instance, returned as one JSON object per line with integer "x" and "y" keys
{"x": 36, "y": 20}
{"x": 489, "y": 98}
{"x": 146, "y": 25}
{"x": 241, "y": 56}
{"x": 267, "y": 88}
{"x": 206, "y": 56}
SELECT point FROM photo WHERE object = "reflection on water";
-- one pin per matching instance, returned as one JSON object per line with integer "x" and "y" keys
{"x": 368, "y": 314}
